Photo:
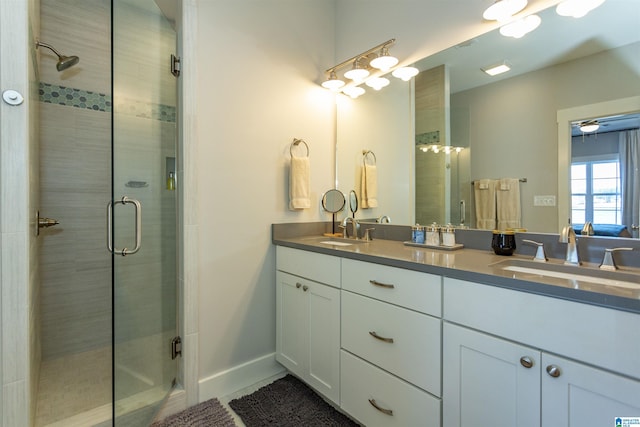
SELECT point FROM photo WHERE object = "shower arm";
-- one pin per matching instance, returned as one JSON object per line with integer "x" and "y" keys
{"x": 39, "y": 43}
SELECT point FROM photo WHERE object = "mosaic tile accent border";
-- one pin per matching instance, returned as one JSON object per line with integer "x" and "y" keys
{"x": 71, "y": 97}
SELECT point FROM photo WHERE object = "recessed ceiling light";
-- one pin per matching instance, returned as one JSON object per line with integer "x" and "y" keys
{"x": 494, "y": 70}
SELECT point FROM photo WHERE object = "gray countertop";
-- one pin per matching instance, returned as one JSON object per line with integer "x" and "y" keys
{"x": 479, "y": 266}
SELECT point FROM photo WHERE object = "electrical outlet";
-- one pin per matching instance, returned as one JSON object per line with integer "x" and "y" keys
{"x": 544, "y": 200}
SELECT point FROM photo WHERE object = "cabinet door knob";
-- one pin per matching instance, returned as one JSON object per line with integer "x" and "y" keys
{"x": 526, "y": 362}
{"x": 384, "y": 411}
{"x": 378, "y": 337}
{"x": 553, "y": 370}
{"x": 380, "y": 284}
{"x": 305, "y": 288}
{"x": 298, "y": 285}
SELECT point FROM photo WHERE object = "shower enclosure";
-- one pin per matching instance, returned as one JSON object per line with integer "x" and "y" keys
{"x": 107, "y": 299}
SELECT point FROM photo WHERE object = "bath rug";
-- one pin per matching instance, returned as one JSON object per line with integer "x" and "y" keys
{"x": 287, "y": 402}
{"x": 208, "y": 413}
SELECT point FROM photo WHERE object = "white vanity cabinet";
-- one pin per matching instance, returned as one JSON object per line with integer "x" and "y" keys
{"x": 501, "y": 364}
{"x": 391, "y": 341}
{"x": 308, "y": 318}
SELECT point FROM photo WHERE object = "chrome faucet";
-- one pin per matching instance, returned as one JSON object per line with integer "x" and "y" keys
{"x": 540, "y": 256}
{"x": 568, "y": 235}
{"x": 384, "y": 219}
{"x": 587, "y": 230}
{"x": 354, "y": 227}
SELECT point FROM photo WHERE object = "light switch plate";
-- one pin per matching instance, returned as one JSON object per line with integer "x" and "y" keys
{"x": 544, "y": 200}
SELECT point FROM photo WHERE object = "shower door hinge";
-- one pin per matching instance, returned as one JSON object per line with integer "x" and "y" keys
{"x": 176, "y": 347}
{"x": 175, "y": 65}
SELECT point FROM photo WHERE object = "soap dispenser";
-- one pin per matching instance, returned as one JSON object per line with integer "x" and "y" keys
{"x": 171, "y": 182}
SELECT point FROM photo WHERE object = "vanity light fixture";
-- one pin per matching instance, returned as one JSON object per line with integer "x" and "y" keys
{"x": 502, "y": 10}
{"x": 589, "y": 126}
{"x": 435, "y": 148}
{"x": 577, "y": 8}
{"x": 520, "y": 27}
{"x": 494, "y": 70}
{"x": 368, "y": 67}
{"x": 405, "y": 73}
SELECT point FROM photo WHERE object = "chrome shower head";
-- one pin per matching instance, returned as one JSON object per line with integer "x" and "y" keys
{"x": 64, "y": 61}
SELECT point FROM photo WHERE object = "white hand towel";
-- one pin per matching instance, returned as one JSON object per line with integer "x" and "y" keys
{"x": 299, "y": 183}
{"x": 485, "y": 195}
{"x": 369, "y": 186}
{"x": 508, "y": 203}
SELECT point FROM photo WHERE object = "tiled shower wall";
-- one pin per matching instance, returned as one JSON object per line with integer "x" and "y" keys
{"x": 75, "y": 171}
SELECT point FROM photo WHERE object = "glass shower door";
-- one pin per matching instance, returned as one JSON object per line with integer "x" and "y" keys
{"x": 143, "y": 210}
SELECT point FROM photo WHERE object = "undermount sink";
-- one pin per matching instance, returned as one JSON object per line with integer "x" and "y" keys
{"x": 526, "y": 269}
{"x": 341, "y": 241}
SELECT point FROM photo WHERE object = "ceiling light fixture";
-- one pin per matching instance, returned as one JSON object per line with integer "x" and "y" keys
{"x": 589, "y": 126}
{"x": 494, "y": 70}
{"x": 519, "y": 28}
{"x": 405, "y": 73}
{"x": 577, "y": 8}
{"x": 502, "y": 10}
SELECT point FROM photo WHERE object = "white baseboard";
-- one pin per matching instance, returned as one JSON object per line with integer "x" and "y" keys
{"x": 239, "y": 377}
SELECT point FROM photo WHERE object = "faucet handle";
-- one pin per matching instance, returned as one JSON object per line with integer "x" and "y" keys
{"x": 367, "y": 234}
{"x": 540, "y": 256}
{"x": 608, "y": 263}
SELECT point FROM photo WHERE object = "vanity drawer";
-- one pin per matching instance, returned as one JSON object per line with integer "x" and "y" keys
{"x": 318, "y": 267}
{"x": 412, "y": 289}
{"x": 362, "y": 384}
{"x": 414, "y": 354}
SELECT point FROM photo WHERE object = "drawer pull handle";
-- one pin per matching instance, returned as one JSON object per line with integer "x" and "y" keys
{"x": 305, "y": 288}
{"x": 378, "y": 337}
{"x": 384, "y": 411}
{"x": 553, "y": 370}
{"x": 382, "y": 285}
{"x": 298, "y": 285}
{"x": 526, "y": 362}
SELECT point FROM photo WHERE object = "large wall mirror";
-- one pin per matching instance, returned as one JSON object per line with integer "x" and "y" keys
{"x": 506, "y": 126}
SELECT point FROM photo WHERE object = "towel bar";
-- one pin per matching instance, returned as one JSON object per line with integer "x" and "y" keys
{"x": 297, "y": 142}
{"x": 521, "y": 180}
{"x": 365, "y": 153}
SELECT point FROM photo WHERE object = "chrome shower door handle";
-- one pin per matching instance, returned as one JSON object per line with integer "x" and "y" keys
{"x": 138, "y": 209}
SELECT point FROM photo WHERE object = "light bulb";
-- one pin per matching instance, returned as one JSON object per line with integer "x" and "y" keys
{"x": 378, "y": 83}
{"x": 405, "y": 73}
{"x": 502, "y": 10}
{"x": 333, "y": 83}
{"x": 577, "y": 8}
{"x": 519, "y": 28}
{"x": 353, "y": 91}
{"x": 384, "y": 61}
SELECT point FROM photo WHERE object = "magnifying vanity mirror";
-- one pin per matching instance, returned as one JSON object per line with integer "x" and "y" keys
{"x": 333, "y": 201}
{"x": 353, "y": 203}
{"x": 513, "y": 125}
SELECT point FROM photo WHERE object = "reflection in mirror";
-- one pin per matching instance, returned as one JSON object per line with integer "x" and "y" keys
{"x": 333, "y": 201}
{"x": 353, "y": 203}
{"x": 602, "y": 187}
{"x": 506, "y": 125}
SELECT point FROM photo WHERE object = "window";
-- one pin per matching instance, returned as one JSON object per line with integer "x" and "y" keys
{"x": 595, "y": 192}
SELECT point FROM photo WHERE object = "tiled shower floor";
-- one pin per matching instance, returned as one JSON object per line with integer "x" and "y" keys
{"x": 75, "y": 390}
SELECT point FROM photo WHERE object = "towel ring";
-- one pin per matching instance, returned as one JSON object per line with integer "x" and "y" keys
{"x": 365, "y": 153}
{"x": 297, "y": 142}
